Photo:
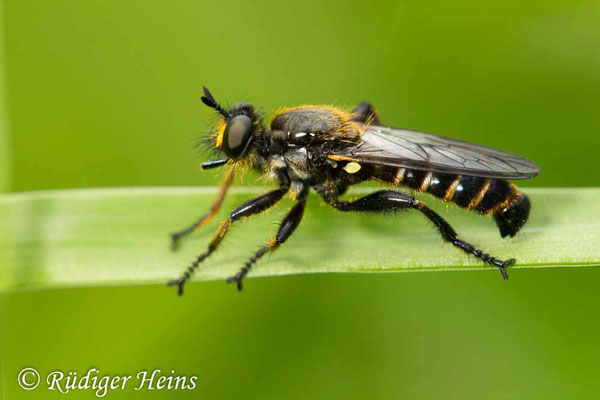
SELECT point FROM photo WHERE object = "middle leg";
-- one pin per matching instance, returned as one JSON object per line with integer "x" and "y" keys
{"x": 286, "y": 228}
{"x": 386, "y": 201}
{"x": 252, "y": 207}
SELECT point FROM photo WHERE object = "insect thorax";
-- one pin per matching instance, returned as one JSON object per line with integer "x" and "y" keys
{"x": 301, "y": 137}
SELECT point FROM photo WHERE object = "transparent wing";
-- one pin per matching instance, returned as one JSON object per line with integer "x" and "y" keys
{"x": 424, "y": 151}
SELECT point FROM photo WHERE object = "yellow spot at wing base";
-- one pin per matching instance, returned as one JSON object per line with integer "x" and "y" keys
{"x": 341, "y": 158}
{"x": 352, "y": 167}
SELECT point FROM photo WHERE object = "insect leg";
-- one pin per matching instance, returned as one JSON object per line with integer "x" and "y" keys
{"x": 286, "y": 228}
{"x": 252, "y": 207}
{"x": 365, "y": 112}
{"x": 214, "y": 209}
{"x": 386, "y": 201}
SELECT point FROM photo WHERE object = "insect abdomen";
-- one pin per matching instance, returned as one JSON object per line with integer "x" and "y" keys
{"x": 486, "y": 196}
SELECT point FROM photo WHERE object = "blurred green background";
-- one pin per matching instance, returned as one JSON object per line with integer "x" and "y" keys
{"x": 107, "y": 93}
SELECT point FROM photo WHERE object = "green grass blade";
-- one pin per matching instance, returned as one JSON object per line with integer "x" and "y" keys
{"x": 5, "y": 151}
{"x": 120, "y": 236}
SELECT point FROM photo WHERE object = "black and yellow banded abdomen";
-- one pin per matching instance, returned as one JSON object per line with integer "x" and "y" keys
{"x": 486, "y": 196}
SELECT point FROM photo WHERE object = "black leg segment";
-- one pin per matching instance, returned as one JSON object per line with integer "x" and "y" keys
{"x": 385, "y": 201}
{"x": 252, "y": 207}
{"x": 365, "y": 112}
{"x": 286, "y": 228}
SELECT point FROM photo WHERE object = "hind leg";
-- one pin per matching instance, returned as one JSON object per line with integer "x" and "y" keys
{"x": 386, "y": 201}
{"x": 366, "y": 113}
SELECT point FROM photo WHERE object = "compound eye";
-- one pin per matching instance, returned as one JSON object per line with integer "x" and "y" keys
{"x": 237, "y": 136}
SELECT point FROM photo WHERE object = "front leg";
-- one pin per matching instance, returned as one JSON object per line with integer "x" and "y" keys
{"x": 214, "y": 209}
{"x": 386, "y": 201}
{"x": 252, "y": 207}
{"x": 286, "y": 228}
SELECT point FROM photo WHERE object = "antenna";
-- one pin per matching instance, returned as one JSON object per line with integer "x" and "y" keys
{"x": 210, "y": 101}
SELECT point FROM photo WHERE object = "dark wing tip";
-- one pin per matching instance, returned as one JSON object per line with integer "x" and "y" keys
{"x": 526, "y": 168}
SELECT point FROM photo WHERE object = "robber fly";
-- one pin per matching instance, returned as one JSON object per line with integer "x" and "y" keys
{"x": 329, "y": 149}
